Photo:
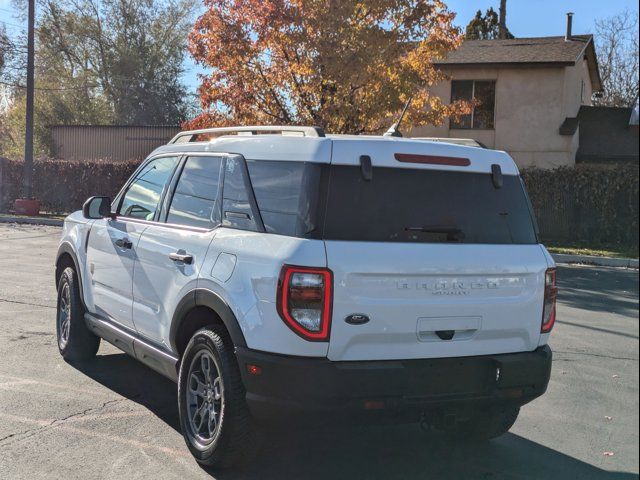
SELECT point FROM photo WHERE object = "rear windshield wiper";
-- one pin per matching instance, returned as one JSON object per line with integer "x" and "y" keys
{"x": 453, "y": 234}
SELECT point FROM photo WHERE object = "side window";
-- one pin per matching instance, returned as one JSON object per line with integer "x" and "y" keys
{"x": 236, "y": 207}
{"x": 194, "y": 202}
{"x": 462, "y": 90}
{"x": 483, "y": 93}
{"x": 142, "y": 198}
{"x": 287, "y": 195}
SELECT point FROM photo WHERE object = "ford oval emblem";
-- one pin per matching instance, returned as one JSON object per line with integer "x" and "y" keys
{"x": 357, "y": 319}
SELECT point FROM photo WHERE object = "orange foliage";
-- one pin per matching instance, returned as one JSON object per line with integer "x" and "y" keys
{"x": 346, "y": 66}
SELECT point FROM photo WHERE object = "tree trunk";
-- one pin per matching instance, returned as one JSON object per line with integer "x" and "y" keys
{"x": 502, "y": 24}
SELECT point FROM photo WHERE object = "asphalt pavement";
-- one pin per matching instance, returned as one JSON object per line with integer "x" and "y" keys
{"x": 114, "y": 418}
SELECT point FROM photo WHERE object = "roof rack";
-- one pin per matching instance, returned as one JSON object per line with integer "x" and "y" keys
{"x": 193, "y": 135}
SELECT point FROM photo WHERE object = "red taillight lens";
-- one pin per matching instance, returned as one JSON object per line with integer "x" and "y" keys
{"x": 432, "y": 159}
{"x": 304, "y": 301}
{"x": 550, "y": 295}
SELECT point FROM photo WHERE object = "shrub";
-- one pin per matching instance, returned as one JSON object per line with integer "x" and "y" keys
{"x": 586, "y": 204}
{"x": 63, "y": 186}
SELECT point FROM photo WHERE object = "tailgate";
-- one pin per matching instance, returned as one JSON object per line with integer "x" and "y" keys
{"x": 434, "y": 300}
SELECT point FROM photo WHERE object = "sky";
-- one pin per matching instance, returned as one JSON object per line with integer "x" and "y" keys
{"x": 525, "y": 18}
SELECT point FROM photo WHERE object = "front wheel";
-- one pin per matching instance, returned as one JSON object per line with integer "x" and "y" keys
{"x": 215, "y": 420}
{"x": 75, "y": 340}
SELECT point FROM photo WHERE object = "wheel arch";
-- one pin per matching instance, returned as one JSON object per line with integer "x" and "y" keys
{"x": 191, "y": 314}
{"x": 66, "y": 257}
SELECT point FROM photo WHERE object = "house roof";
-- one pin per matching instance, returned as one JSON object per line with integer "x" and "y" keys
{"x": 527, "y": 51}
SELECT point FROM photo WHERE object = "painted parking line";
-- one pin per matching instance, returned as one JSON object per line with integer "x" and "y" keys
{"x": 13, "y": 383}
{"x": 65, "y": 388}
{"x": 45, "y": 424}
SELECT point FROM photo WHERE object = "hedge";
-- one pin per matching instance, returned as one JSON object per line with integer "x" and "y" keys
{"x": 63, "y": 186}
{"x": 588, "y": 204}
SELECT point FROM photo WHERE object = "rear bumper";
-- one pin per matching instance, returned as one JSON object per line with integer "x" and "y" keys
{"x": 301, "y": 385}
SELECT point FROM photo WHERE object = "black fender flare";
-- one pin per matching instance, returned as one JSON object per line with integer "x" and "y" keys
{"x": 201, "y": 297}
{"x": 66, "y": 247}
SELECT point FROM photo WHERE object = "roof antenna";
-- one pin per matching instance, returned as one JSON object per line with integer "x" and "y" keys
{"x": 393, "y": 130}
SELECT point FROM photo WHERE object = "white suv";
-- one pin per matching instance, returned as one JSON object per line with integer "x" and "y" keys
{"x": 276, "y": 270}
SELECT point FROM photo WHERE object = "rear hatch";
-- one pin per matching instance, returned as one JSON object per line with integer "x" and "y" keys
{"x": 443, "y": 261}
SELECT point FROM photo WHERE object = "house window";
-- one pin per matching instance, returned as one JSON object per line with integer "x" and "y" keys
{"x": 484, "y": 94}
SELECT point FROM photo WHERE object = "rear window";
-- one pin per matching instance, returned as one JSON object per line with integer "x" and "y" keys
{"x": 426, "y": 206}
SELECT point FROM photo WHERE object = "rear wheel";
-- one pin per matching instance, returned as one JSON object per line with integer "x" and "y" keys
{"x": 215, "y": 420}
{"x": 486, "y": 424}
{"x": 75, "y": 340}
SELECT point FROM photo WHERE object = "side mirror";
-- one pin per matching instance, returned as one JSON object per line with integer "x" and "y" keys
{"x": 96, "y": 208}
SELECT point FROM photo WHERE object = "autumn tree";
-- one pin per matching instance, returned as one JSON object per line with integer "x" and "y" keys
{"x": 344, "y": 66}
{"x": 617, "y": 49}
{"x": 486, "y": 27}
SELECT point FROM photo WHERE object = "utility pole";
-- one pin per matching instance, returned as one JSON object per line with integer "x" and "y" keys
{"x": 28, "y": 137}
{"x": 502, "y": 23}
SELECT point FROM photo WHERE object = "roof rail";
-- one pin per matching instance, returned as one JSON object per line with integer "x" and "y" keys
{"x": 192, "y": 135}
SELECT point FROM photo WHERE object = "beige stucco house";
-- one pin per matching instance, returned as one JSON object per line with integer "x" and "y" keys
{"x": 529, "y": 92}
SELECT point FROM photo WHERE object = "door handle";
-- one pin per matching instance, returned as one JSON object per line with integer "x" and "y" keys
{"x": 124, "y": 243}
{"x": 181, "y": 257}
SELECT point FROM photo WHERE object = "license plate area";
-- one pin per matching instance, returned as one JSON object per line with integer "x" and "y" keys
{"x": 453, "y": 377}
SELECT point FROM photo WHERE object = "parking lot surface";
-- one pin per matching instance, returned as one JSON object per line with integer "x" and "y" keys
{"x": 114, "y": 418}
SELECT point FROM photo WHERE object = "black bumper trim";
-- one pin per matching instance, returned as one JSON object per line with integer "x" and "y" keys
{"x": 307, "y": 385}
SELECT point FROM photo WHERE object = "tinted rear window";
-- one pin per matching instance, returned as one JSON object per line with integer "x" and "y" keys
{"x": 427, "y": 206}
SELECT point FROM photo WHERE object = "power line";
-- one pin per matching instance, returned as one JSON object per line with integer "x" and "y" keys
{"x": 47, "y": 89}
{"x": 12, "y": 24}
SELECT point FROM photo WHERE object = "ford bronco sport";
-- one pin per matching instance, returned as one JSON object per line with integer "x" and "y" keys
{"x": 272, "y": 270}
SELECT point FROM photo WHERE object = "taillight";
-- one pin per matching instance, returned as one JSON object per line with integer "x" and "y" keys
{"x": 304, "y": 301}
{"x": 550, "y": 295}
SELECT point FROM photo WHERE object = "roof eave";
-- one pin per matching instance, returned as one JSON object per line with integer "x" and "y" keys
{"x": 589, "y": 53}
{"x": 502, "y": 64}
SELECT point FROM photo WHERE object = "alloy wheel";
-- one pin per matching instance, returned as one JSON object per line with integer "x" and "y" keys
{"x": 205, "y": 400}
{"x": 64, "y": 315}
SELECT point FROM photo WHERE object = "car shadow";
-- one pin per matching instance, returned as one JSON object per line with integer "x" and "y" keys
{"x": 375, "y": 452}
{"x": 131, "y": 379}
{"x": 599, "y": 289}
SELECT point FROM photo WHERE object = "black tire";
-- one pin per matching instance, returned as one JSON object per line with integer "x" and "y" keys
{"x": 486, "y": 424}
{"x": 234, "y": 442}
{"x": 75, "y": 341}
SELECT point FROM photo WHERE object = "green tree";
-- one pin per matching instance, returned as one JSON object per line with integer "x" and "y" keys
{"x": 485, "y": 27}
{"x": 99, "y": 62}
{"x": 4, "y": 46}
{"x": 127, "y": 54}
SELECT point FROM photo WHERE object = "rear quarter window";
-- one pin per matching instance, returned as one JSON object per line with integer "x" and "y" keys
{"x": 287, "y": 195}
{"x": 236, "y": 203}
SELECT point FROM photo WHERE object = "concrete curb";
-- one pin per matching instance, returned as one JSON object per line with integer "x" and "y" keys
{"x": 599, "y": 261}
{"x": 52, "y": 222}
